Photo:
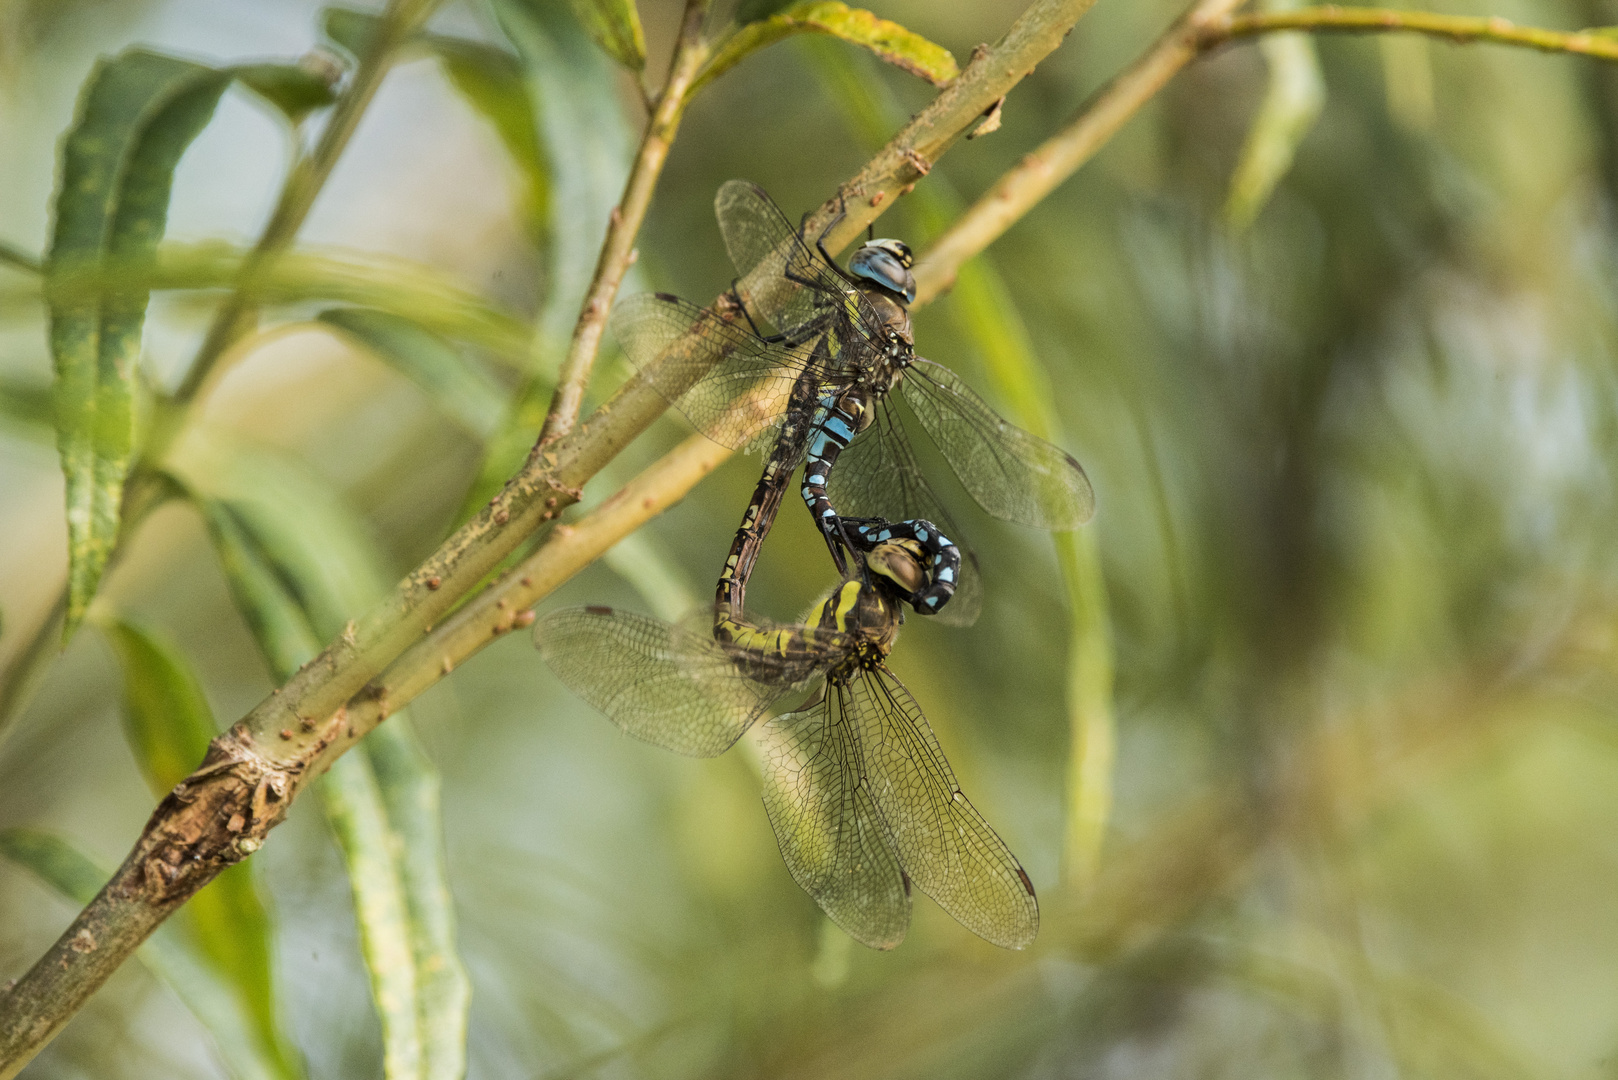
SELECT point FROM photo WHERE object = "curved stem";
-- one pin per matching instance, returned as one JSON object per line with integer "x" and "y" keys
{"x": 1457, "y": 28}
{"x": 624, "y": 226}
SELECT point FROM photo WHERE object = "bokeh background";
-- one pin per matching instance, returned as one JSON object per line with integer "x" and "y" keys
{"x": 1356, "y": 512}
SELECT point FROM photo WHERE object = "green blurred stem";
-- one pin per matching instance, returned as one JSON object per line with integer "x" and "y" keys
{"x": 618, "y": 248}
{"x": 1460, "y": 29}
{"x": 304, "y": 183}
{"x": 255, "y": 770}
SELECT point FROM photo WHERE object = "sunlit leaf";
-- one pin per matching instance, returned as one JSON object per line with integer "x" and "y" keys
{"x": 1292, "y": 103}
{"x": 137, "y": 114}
{"x": 295, "y": 90}
{"x": 888, "y": 40}
{"x": 453, "y": 384}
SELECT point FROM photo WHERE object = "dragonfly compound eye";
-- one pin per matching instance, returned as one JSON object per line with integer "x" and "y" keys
{"x": 887, "y": 263}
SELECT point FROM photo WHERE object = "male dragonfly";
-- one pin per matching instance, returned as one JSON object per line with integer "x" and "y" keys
{"x": 861, "y": 798}
{"x": 842, "y": 343}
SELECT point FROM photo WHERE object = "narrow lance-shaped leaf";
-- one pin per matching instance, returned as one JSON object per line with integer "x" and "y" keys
{"x": 491, "y": 80}
{"x": 292, "y": 88}
{"x": 168, "y": 723}
{"x": 888, "y": 40}
{"x": 1292, "y": 102}
{"x": 137, "y": 114}
{"x": 615, "y": 26}
{"x": 462, "y": 390}
{"x": 166, "y": 953}
{"x": 299, "y": 564}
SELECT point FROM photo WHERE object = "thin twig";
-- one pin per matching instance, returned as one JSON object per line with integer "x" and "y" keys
{"x": 303, "y": 184}
{"x": 625, "y": 224}
{"x": 1457, "y": 28}
{"x": 14, "y": 256}
{"x": 222, "y": 812}
{"x": 1020, "y": 189}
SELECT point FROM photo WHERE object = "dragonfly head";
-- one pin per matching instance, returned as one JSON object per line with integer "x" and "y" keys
{"x": 886, "y": 263}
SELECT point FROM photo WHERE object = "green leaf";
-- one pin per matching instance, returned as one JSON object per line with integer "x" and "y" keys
{"x": 137, "y": 114}
{"x": 491, "y": 80}
{"x": 588, "y": 144}
{"x": 166, "y": 716}
{"x": 409, "y": 787}
{"x": 55, "y": 862}
{"x": 169, "y": 725}
{"x": 463, "y": 391}
{"x": 1292, "y": 104}
{"x": 167, "y": 954}
{"x": 890, "y": 42}
{"x": 352, "y": 30}
{"x": 293, "y": 89}
{"x": 615, "y": 26}
{"x": 300, "y": 564}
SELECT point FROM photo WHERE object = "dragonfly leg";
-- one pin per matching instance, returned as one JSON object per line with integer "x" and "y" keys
{"x": 820, "y": 241}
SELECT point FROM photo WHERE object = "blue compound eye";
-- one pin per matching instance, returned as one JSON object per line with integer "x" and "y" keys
{"x": 886, "y": 262}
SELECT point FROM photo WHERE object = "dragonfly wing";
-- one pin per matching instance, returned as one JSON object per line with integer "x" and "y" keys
{"x": 730, "y": 383}
{"x": 944, "y": 844}
{"x": 783, "y": 273}
{"x": 877, "y": 476}
{"x": 831, "y": 835}
{"x": 1012, "y": 474}
{"x": 656, "y": 681}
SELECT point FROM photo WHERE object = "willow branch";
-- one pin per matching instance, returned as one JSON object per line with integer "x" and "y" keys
{"x": 1097, "y": 121}
{"x": 304, "y": 182}
{"x": 13, "y": 256}
{"x": 618, "y": 248}
{"x": 222, "y": 812}
{"x": 1457, "y": 28}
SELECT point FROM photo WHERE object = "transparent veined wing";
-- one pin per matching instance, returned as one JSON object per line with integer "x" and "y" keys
{"x": 1012, "y": 474}
{"x": 877, "y": 476}
{"x": 730, "y": 383}
{"x": 671, "y": 686}
{"x": 830, "y": 834}
{"x": 782, "y": 278}
{"x": 943, "y": 843}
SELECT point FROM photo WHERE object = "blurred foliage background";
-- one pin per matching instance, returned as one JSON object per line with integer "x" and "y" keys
{"x": 1356, "y": 508}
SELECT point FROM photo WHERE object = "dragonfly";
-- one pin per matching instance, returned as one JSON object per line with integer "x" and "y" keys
{"x": 821, "y": 385}
{"x": 863, "y": 803}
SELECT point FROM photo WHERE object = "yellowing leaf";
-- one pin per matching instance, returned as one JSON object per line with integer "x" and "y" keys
{"x": 888, "y": 40}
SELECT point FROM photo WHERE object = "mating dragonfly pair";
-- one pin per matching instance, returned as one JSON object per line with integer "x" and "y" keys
{"x": 862, "y": 801}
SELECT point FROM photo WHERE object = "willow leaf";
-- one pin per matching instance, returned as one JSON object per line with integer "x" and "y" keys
{"x": 137, "y": 114}
{"x": 889, "y": 41}
{"x": 463, "y": 391}
{"x": 1292, "y": 102}
{"x": 615, "y": 26}
{"x": 491, "y": 80}
{"x": 166, "y": 954}
{"x": 295, "y": 90}
{"x": 300, "y": 564}
{"x": 168, "y": 724}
